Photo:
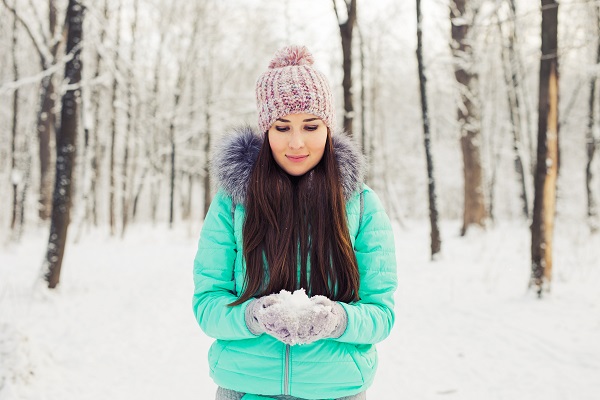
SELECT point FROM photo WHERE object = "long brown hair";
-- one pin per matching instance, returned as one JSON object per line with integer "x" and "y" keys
{"x": 288, "y": 220}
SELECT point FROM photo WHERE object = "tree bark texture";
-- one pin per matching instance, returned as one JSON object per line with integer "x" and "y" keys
{"x": 128, "y": 175}
{"x": 436, "y": 242}
{"x": 113, "y": 132}
{"x": 546, "y": 174}
{"x": 591, "y": 141}
{"x": 66, "y": 146}
{"x": 15, "y": 120}
{"x": 468, "y": 117}
{"x": 509, "y": 63}
{"x": 346, "y": 30}
{"x": 46, "y": 123}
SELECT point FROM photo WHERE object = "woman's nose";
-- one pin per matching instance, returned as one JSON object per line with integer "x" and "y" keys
{"x": 296, "y": 141}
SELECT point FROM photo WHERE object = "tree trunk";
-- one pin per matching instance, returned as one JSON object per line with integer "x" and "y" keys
{"x": 98, "y": 151}
{"x": 512, "y": 87}
{"x": 66, "y": 146}
{"x": 363, "y": 95}
{"x": 346, "y": 29}
{"x": 128, "y": 175}
{"x": 173, "y": 150}
{"x": 46, "y": 125}
{"x": 436, "y": 242}
{"x": 15, "y": 176}
{"x": 45, "y": 118}
{"x": 468, "y": 116}
{"x": 591, "y": 141}
{"x": 207, "y": 183}
{"x": 46, "y": 131}
{"x": 542, "y": 227}
{"x": 113, "y": 130}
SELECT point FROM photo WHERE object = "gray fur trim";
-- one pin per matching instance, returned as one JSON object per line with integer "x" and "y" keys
{"x": 233, "y": 160}
{"x": 351, "y": 163}
{"x": 235, "y": 156}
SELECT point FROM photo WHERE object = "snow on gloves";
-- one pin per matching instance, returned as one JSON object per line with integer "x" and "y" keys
{"x": 294, "y": 318}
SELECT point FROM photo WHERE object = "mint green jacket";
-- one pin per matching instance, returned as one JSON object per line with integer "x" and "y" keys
{"x": 262, "y": 365}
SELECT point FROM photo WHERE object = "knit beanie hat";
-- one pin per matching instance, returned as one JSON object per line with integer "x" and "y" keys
{"x": 292, "y": 86}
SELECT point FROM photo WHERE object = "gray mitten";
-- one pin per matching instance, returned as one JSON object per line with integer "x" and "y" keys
{"x": 254, "y": 311}
{"x": 326, "y": 319}
{"x": 279, "y": 324}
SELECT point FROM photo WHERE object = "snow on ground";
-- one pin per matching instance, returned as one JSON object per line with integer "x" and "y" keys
{"x": 120, "y": 326}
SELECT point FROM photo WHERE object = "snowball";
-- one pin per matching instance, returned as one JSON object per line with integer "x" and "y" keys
{"x": 295, "y": 312}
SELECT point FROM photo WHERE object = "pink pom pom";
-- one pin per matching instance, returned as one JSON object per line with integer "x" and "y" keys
{"x": 290, "y": 56}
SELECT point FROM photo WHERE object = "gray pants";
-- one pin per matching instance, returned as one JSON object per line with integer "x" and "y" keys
{"x": 226, "y": 394}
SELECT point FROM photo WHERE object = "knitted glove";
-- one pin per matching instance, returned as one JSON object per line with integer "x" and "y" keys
{"x": 254, "y": 311}
{"x": 326, "y": 319}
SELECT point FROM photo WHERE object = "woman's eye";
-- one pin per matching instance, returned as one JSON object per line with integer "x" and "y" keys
{"x": 282, "y": 128}
{"x": 311, "y": 127}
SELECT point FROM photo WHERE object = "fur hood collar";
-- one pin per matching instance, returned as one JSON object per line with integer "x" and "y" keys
{"x": 234, "y": 158}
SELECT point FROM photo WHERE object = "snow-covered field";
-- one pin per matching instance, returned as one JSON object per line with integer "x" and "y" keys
{"x": 120, "y": 326}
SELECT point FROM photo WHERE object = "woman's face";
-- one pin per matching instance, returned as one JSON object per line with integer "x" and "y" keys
{"x": 298, "y": 142}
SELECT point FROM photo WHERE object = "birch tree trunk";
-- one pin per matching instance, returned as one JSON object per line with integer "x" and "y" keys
{"x": 113, "y": 129}
{"x": 468, "y": 115}
{"x": 128, "y": 175}
{"x": 436, "y": 242}
{"x": 15, "y": 175}
{"x": 346, "y": 30}
{"x": 98, "y": 150}
{"x": 542, "y": 227}
{"x": 591, "y": 141}
{"x": 509, "y": 64}
{"x": 66, "y": 146}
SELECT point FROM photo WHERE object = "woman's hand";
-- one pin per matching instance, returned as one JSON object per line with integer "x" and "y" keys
{"x": 320, "y": 318}
{"x": 255, "y": 310}
{"x": 326, "y": 319}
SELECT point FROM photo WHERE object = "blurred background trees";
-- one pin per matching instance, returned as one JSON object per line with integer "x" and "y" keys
{"x": 164, "y": 80}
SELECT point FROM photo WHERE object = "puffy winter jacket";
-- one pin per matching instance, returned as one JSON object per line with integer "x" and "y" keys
{"x": 243, "y": 362}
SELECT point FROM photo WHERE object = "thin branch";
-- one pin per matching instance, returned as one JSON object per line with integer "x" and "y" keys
{"x": 41, "y": 49}
{"x": 337, "y": 16}
{"x": 38, "y": 18}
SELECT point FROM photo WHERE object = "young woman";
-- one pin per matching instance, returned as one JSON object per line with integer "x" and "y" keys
{"x": 293, "y": 213}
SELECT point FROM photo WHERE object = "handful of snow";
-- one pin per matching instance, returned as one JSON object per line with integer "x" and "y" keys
{"x": 294, "y": 314}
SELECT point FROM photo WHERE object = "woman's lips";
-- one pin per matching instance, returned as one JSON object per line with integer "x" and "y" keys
{"x": 296, "y": 159}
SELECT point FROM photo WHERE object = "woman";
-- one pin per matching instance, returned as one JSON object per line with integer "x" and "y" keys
{"x": 293, "y": 215}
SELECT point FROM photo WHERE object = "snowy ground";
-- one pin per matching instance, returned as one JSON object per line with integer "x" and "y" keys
{"x": 120, "y": 325}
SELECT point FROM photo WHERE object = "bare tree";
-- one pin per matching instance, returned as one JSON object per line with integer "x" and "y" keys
{"x": 47, "y": 49}
{"x": 546, "y": 174}
{"x": 113, "y": 127}
{"x": 66, "y": 146}
{"x": 512, "y": 82}
{"x": 132, "y": 116}
{"x": 592, "y": 142}
{"x": 346, "y": 30}
{"x": 98, "y": 148}
{"x": 462, "y": 17}
{"x": 15, "y": 178}
{"x": 436, "y": 242}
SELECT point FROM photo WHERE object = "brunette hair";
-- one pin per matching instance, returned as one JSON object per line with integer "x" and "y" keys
{"x": 288, "y": 220}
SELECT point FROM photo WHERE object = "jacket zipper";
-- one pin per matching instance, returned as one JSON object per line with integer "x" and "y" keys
{"x": 286, "y": 378}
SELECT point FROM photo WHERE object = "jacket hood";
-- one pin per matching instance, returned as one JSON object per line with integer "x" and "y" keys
{"x": 236, "y": 154}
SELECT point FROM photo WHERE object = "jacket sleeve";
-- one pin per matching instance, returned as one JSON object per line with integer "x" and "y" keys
{"x": 214, "y": 284}
{"x": 371, "y": 319}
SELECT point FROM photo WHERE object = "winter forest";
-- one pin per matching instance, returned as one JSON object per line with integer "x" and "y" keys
{"x": 480, "y": 121}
